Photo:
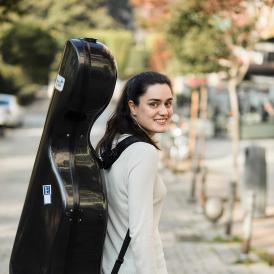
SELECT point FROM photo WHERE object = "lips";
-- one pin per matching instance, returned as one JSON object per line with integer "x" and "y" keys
{"x": 161, "y": 121}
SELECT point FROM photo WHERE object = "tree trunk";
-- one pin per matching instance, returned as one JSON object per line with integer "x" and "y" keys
{"x": 193, "y": 121}
{"x": 235, "y": 127}
{"x": 193, "y": 151}
{"x": 203, "y": 118}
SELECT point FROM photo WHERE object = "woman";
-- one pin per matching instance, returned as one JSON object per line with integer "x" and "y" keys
{"x": 135, "y": 191}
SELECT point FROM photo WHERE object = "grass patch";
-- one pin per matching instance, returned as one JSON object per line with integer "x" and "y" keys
{"x": 266, "y": 257}
{"x": 227, "y": 239}
{"x": 189, "y": 238}
{"x": 245, "y": 260}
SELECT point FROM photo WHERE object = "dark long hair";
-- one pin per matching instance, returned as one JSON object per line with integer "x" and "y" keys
{"x": 121, "y": 121}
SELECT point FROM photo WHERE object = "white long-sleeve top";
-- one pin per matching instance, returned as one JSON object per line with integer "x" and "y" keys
{"x": 135, "y": 197}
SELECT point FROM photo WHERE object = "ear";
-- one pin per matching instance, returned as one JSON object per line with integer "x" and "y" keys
{"x": 132, "y": 107}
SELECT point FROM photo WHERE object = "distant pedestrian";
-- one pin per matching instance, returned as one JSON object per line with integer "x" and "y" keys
{"x": 134, "y": 189}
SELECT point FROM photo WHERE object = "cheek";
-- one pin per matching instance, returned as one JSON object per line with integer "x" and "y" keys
{"x": 146, "y": 112}
{"x": 170, "y": 112}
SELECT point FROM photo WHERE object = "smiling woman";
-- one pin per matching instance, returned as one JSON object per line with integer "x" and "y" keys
{"x": 154, "y": 109}
{"x": 135, "y": 190}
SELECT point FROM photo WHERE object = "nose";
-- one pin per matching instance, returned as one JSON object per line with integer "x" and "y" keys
{"x": 163, "y": 110}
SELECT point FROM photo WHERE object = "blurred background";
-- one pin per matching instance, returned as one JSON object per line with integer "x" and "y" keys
{"x": 219, "y": 148}
{"x": 219, "y": 55}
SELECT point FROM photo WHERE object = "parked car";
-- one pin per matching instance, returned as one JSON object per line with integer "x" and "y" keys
{"x": 11, "y": 114}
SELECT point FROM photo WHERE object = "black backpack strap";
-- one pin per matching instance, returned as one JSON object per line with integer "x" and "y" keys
{"x": 110, "y": 156}
{"x": 121, "y": 255}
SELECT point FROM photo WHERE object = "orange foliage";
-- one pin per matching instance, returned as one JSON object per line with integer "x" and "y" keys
{"x": 152, "y": 12}
{"x": 213, "y": 6}
{"x": 152, "y": 15}
{"x": 160, "y": 55}
{"x": 155, "y": 3}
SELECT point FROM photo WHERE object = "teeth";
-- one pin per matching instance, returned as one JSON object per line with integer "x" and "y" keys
{"x": 161, "y": 120}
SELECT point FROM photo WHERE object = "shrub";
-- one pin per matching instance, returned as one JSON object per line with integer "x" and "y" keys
{"x": 30, "y": 47}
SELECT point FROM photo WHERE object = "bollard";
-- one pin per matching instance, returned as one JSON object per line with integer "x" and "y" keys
{"x": 231, "y": 203}
{"x": 214, "y": 209}
{"x": 247, "y": 224}
{"x": 255, "y": 178}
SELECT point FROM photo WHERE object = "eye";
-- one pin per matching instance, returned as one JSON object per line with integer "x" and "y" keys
{"x": 168, "y": 104}
{"x": 153, "y": 104}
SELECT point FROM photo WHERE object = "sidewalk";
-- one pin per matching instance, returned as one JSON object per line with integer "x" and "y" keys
{"x": 192, "y": 244}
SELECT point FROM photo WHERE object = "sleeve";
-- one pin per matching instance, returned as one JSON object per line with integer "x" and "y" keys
{"x": 142, "y": 176}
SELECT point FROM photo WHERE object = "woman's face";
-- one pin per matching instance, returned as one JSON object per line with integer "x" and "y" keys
{"x": 154, "y": 110}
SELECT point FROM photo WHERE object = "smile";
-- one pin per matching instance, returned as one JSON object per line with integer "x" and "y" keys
{"x": 161, "y": 121}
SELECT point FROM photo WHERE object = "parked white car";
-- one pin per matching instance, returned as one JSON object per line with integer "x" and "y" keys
{"x": 11, "y": 114}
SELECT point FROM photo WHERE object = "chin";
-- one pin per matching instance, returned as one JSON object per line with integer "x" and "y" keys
{"x": 161, "y": 130}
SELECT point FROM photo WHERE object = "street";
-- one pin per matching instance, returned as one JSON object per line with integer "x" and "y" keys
{"x": 185, "y": 232}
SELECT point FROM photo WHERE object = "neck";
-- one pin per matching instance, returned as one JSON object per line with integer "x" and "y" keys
{"x": 150, "y": 134}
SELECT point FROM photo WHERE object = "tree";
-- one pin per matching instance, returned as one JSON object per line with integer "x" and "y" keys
{"x": 121, "y": 11}
{"x": 7, "y": 7}
{"x": 242, "y": 29}
{"x": 31, "y": 48}
{"x": 64, "y": 19}
{"x": 197, "y": 46}
{"x": 151, "y": 13}
{"x": 52, "y": 23}
{"x": 218, "y": 35}
{"x": 194, "y": 38}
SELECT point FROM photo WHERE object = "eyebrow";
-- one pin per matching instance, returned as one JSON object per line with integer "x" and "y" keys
{"x": 159, "y": 100}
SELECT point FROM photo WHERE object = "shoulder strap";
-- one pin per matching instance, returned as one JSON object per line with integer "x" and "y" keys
{"x": 121, "y": 255}
{"x": 110, "y": 156}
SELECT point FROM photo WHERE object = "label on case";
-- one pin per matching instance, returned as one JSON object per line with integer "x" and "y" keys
{"x": 59, "y": 83}
{"x": 47, "y": 194}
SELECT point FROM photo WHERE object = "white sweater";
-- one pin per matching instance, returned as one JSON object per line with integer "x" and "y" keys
{"x": 135, "y": 198}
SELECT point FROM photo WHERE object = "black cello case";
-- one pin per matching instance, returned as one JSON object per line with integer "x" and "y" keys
{"x": 63, "y": 223}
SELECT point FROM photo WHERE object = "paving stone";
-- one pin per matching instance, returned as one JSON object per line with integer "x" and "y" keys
{"x": 187, "y": 238}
